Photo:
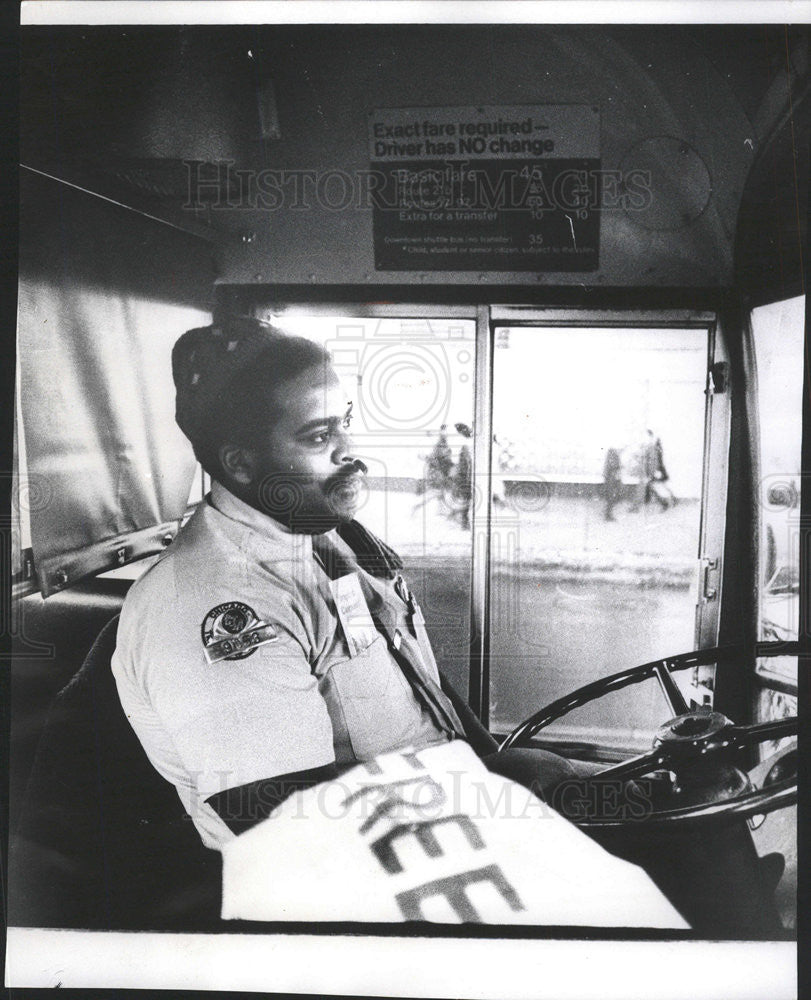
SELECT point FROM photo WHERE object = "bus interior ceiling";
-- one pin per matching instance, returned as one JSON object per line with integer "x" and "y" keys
{"x": 262, "y": 135}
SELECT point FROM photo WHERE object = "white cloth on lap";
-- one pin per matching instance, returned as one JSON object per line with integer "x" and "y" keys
{"x": 431, "y": 835}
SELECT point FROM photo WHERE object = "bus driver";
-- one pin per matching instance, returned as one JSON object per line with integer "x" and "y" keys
{"x": 275, "y": 643}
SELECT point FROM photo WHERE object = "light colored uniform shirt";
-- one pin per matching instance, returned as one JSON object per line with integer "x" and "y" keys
{"x": 232, "y": 665}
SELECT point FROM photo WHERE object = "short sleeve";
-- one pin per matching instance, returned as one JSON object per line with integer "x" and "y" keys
{"x": 239, "y": 721}
{"x": 216, "y": 725}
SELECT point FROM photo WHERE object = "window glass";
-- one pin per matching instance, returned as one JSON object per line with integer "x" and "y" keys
{"x": 597, "y": 474}
{"x": 778, "y": 337}
{"x": 21, "y": 491}
{"x": 200, "y": 485}
{"x": 26, "y": 492}
{"x": 778, "y": 331}
{"x": 411, "y": 382}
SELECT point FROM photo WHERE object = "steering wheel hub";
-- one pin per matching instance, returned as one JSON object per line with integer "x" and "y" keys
{"x": 691, "y": 729}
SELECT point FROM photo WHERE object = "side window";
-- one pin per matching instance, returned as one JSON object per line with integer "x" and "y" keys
{"x": 200, "y": 485}
{"x": 22, "y": 567}
{"x": 778, "y": 338}
{"x": 20, "y": 517}
{"x": 597, "y": 482}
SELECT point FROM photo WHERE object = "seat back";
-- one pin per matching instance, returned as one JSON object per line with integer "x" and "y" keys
{"x": 103, "y": 840}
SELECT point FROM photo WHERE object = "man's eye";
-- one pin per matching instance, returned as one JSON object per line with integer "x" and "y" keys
{"x": 320, "y": 438}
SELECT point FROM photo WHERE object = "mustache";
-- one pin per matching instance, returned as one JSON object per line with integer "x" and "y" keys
{"x": 348, "y": 476}
{"x": 351, "y": 467}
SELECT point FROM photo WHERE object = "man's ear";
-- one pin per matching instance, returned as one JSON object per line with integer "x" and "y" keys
{"x": 238, "y": 462}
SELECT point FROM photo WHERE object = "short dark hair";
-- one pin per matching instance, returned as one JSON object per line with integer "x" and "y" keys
{"x": 245, "y": 405}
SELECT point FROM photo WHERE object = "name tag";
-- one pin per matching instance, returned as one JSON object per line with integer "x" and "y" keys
{"x": 353, "y": 612}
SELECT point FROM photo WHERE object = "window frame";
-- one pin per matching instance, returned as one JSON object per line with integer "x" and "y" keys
{"x": 712, "y": 524}
{"x": 768, "y": 676}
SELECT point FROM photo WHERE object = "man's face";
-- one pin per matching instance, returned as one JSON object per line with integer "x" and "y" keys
{"x": 304, "y": 473}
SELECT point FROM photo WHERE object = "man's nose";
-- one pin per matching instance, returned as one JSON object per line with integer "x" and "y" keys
{"x": 343, "y": 448}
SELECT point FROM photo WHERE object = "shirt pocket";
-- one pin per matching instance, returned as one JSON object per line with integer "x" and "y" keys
{"x": 367, "y": 676}
{"x": 375, "y": 698}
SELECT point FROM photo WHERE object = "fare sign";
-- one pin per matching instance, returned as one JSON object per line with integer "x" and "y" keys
{"x": 487, "y": 188}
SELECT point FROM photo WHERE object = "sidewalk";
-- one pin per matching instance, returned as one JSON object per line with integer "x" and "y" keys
{"x": 567, "y": 538}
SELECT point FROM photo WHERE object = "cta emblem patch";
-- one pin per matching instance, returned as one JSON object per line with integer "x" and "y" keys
{"x": 232, "y": 631}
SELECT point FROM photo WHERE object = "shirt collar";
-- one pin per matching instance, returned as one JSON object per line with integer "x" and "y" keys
{"x": 270, "y": 531}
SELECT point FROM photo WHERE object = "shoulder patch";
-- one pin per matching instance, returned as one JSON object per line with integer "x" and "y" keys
{"x": 232, "y": 631}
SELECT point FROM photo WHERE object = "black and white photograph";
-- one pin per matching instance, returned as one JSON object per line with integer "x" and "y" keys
{"x": 408, "y": 498}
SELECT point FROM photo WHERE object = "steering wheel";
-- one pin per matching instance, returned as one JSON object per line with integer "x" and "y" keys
{"x": 695, "y": 745}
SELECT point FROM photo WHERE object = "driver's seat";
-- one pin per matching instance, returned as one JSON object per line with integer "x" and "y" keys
{"x": 103, "y": 840}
